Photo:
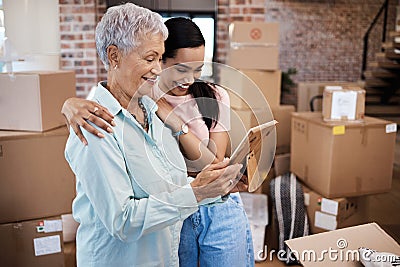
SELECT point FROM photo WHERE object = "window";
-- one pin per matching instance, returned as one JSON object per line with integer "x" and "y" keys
{"x": 206, "y": 23}
{"x": 2, "y": 30}
{"x": 2, "y": 34}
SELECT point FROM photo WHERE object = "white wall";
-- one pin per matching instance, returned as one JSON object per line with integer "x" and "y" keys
{"x": 33, "y": 28}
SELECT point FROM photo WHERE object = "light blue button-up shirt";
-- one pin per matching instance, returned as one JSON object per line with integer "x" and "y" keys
{"x": 133, "y": 192}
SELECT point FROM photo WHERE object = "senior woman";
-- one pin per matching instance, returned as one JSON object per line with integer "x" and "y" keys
{"x": 131, "y": 200}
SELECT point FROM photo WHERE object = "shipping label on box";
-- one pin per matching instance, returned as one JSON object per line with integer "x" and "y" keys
{"x": 343, "y": 103}
{"x": 330, "y": 214}
{"x": 28, "y": 243}
{"x": 311, "y": 93}
{"x": 320, "y": 155}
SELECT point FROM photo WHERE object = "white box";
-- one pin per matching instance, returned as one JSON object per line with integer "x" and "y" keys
{"x": 256, "y": 207}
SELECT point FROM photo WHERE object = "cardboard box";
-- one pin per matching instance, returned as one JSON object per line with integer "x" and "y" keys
{"x": 262, "y": 58}
{"x": 254, "y": 45}
{"x": 282, "y": 164}
{"x": 252, "y": 88}
{"x": 35, "y": 179}
{"x": 34, "y": 243}
{"x": 307, "y": 90}
{"x": 70, "y": 254}
{"x": 342, "y": 159}
{"x": 283, "y": 115}
{"x": 330, "y": 214}
{"x": 256, "y": 207}
{"x": 343, "y": 103}
{"x": 32, "y": 101}
{"x": 340, "y": 247}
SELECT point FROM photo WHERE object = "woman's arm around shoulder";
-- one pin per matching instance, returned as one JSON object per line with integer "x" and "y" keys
{"x": 78, "y": 112}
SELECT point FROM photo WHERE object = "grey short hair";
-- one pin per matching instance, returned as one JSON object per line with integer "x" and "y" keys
{"x": 125, "y": 26}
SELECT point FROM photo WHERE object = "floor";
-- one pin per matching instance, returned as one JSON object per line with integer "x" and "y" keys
{"x": 384, "y": 209}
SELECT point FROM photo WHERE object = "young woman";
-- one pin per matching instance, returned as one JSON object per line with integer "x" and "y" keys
{"x": 198, "y": 114}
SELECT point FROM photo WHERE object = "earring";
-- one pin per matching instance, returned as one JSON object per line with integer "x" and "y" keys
{"x": 116, "y": 67}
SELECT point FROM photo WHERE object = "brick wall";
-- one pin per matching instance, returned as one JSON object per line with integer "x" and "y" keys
{"x": 322, "y": 39}
{"x": 78, "y": 19}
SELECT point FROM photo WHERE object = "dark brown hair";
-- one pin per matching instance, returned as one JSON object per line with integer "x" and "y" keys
{"x": 184, "y": 33}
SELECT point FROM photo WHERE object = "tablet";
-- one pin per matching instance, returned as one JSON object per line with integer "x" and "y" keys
{"x": 258, "y": 140}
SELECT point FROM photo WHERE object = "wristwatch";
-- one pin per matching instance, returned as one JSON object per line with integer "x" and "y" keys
{"x": 184, "y": 130}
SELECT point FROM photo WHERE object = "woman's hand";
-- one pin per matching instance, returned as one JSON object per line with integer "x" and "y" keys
{"x": 241, "y": 186}
{"x": 166, "y": 113}
{"x": 216, "y": 180}
{"x": 78, "y": 111}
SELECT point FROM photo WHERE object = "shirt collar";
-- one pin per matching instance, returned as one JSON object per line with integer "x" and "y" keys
{"x": 105, "y": 98}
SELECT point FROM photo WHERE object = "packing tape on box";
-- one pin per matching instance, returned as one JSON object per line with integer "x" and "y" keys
{"x": 236, "y": 45}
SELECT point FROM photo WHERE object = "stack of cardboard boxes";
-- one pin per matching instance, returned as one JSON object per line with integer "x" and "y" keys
{"x": 306, "y": 91}
{"x": 253, "y": 79}
{"x": 341, "y": 156}
{"x": 36, "y": 183}
{"x": 341, "y": 159}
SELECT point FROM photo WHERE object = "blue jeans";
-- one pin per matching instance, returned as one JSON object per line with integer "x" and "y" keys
{"x": 217, "y": 236}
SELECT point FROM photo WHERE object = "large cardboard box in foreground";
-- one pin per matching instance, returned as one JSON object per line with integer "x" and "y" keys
{"x": 254, "y": 45}
{"x": 342, "y": 159}
{"x": 340, "y": 247}
{"x": 32, "y": 101}
{"x": 35, "y": 179}
{"x": 35, "y": 243}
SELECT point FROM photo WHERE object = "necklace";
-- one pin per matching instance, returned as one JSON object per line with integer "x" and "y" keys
{"x": 145, "y": 123}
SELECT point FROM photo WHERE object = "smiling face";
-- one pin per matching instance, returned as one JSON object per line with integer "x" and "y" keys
{"x": 182, "y": 70}
{"x": 135, "y": 72}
